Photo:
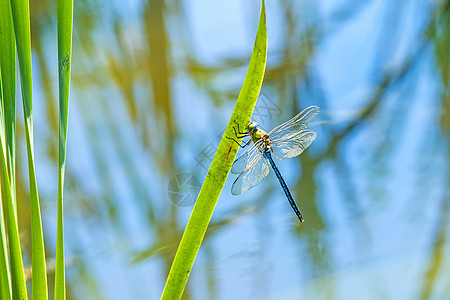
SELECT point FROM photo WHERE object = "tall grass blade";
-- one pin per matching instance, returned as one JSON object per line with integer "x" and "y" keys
{"x": 7, "y": 111}
{"x": 19, "y": 290}
{"x": 21, "y": 20}
{"x": 65, "y": 16}
{"x": 218, "y": 172}
{"x": 8, "y": 61}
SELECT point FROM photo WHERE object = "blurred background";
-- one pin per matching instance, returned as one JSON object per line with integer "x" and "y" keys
{"x": 153, "y": 86}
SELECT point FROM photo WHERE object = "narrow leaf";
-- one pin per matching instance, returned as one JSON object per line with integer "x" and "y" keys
{"x": 7, "y": 111}
{"x": 218, "y": 172}
{"x": 21, "y": 19}
{"x": 19, "y": 290}
{"x": 65, "y": 16}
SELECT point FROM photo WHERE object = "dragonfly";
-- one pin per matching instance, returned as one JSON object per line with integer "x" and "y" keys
{"x": 285, "y": 141}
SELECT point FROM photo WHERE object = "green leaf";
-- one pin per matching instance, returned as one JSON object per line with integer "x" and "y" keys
{"x": 7, "y": 111}
{"x": 21, "y": 19}
{"x": 220, "y": 167}
{"x": 65, "y": 16}
{"x": 17, "y": 273}
{"x": 8, "y": 66}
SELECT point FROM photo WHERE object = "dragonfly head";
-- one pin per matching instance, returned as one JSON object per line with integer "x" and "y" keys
{"x": 251, "y": 126}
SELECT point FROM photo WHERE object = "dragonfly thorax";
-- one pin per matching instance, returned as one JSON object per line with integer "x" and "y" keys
{"x": 258, "y": 135}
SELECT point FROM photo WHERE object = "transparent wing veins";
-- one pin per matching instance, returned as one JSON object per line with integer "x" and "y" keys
{"x": 296, "y": 124}
{"x": 288, "y": 140}
{"x": 253, "y": 175}
{"x": 247, "y": 159}
{"x": 293, "y": 146}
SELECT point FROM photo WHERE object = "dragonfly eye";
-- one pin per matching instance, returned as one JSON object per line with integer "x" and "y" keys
{"x": 251, "y": 126}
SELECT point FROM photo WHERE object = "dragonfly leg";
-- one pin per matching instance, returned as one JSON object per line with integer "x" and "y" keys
{"x": 246, "y": 144}
{"x": 239, "y": 130}
{"x": 240, "y": 144}
{"x": 239, "y": 135}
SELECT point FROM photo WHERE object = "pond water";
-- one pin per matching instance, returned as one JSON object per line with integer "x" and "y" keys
{"x": 153, "y": 86}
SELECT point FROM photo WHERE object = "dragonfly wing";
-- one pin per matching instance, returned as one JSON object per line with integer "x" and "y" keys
{"x": 292, "y": 146}
{"x": 296, "y": 124}
{"x": 247, "y": 159}
{"x": 254, "y": 174}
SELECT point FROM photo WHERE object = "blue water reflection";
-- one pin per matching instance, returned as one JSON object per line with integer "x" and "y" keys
{"x": 154, "y": 84}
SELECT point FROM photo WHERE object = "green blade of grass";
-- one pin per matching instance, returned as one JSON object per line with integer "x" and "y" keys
{"x": 8, "y": 62}
{"x": 19, "y": 290}
{"x": 5, "y": 282}
{"x": 218, "y": 172}
{"x": 65, "y": 16}
{"x": 21, "y": 19}
{"x": 7, "y": 111}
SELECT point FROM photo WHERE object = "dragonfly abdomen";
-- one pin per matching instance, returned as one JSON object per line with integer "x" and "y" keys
{"x": 284, "y": 185}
